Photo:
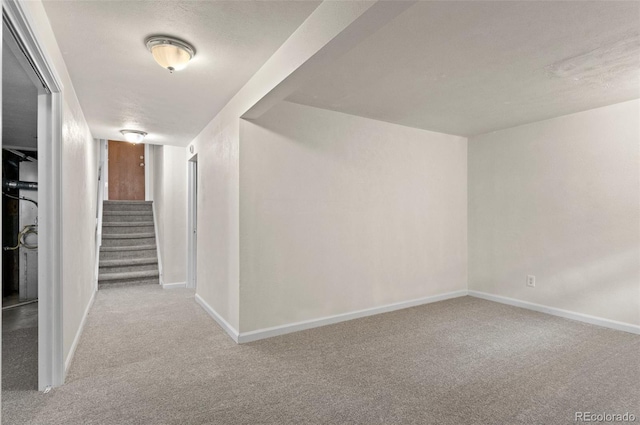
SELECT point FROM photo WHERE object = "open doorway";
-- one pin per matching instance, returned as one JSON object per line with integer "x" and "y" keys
{"x": 192, "y": 225}
{"x": 19, "y": 220}
{"x": 35, "y": 161}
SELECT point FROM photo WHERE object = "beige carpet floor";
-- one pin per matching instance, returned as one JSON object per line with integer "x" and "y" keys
{"x": 152, "y": 356}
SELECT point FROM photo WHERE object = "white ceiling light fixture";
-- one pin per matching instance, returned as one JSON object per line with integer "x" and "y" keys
{"x": 170, "y": 53}
{"x": 133, "y": 136}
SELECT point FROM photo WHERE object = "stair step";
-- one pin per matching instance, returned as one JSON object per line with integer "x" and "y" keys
{"x": 129, "y": 236}
{"x": 149, "y": 213}
{"x": 109, "y": 284}
{"x": 127, "y": 202}
{"x": 139, "y": 251}
{"x": 128, "y": 262}
{"x": 128, "y": 275}
{"x": 127, "y": 223}
{"x": 128, "y": 206}
{"x": 116, "y": 230}
{"x": 128, "y": 269}
{"x": 119, "y": 241}
{"x": 127, "y": 248}
{"x": 127, "y": 218}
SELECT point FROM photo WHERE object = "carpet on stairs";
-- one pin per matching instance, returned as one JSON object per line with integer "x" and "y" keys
{"x": 128, "y": 255}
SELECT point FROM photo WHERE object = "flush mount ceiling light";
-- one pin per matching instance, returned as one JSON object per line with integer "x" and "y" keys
{"x": 169, "y": 52}
{"x": 133, "y": 136}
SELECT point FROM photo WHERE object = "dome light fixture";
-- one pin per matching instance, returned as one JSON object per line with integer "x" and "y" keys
{"x": 170, "y": 53}
{"x": 133, "y": 136}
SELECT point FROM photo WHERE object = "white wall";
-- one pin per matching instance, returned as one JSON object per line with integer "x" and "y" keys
{"x": 560, "y": 199}
{"x": 218, "y": 219}
{"x": 168, "y": 186}
{"x": 323, "y": 34}
{"x": 340, "y": 213}
{"x": 79, "y": 181}
{"x": 268, "y": 218}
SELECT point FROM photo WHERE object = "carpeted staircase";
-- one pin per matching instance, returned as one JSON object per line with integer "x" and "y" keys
{"x": 128, "y": 254}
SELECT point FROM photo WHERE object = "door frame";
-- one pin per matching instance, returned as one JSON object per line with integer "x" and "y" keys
{"x": 148, "y": 195}
{"x": 192, "y": 222}
{"x": 51, "y": 367}
{"x": 102, "y": 192}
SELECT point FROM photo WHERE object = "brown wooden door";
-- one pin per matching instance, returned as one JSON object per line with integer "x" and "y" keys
{"x": 126, "y": 171}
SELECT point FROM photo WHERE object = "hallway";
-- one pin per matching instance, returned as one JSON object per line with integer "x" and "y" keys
{"x": 153, "y": 356}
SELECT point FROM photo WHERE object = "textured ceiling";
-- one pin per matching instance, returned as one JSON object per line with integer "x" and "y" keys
{"x": 120, "y": 86}
{"x": 19, "y": 104}
{"x": 469, "y": 68}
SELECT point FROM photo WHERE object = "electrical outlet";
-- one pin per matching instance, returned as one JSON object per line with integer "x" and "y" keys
{"x": 531, "y": 281}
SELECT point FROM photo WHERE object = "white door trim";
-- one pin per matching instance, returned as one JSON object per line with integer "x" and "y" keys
{"x": 192, "y": 222}
{"x": 105, "y": 171}
{"x": 148, "y": 196}
{"x": 158, "y": 252}
{"x": 102, "y": 166}
{"x": 50, "y": 339}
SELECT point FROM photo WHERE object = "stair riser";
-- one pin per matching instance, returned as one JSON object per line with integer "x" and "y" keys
{"x": 106, "y": 218}
{"x": 111, "y": 230}
{"x": 128, "y": 282}
{"x": 128, "y": 207}
{"x": 119, "y": 255}
{"x": 132, "y": 268}
{"x": 128, "y": 242}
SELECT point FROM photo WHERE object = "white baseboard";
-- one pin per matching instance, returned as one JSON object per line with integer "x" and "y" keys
{"x": 612, "y": 324}
{"x": 74, "y": 345}
{"x": 223, "y": 323}
{"x": 329, "y": 320}
{"x": 174, "y": 285}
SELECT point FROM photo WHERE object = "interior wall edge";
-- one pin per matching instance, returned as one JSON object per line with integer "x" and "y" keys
{"x": 259, "y": 334}
{"x": 174, "y": 285}
{"x": 559, "y": 200}
{"x": 76, "y": 339}
{"x": 586, "y": 318}
{"x": 226, "y": 326}
{"x": 158, "y": 243}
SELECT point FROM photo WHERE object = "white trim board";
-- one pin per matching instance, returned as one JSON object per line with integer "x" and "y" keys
{"x": 174, "y": 285}
{"x": 192, "y": 221}
{"x": 76, "y": 340}
{"x": 100, "y": 205}
{"x": 259, "y": 334}
{"x": 147, "y": 173}
{"x": 244, "y": 337}
{"x": 607, "y": 323}
{"x": 158, "y": 253}
{"x": 223, "y": 323}
{"x": 330, "y": 320}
